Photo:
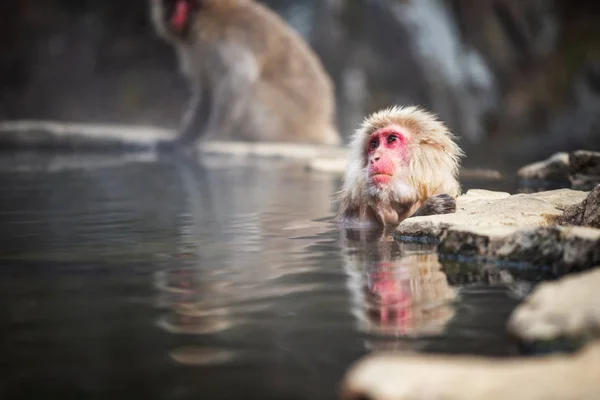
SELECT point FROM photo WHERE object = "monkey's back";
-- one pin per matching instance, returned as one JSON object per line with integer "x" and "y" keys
{"x": 292, "y": 75}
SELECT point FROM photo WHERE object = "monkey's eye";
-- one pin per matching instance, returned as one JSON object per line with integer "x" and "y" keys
{"x": 373, "y": 144}
{"x": 392, "y": 138}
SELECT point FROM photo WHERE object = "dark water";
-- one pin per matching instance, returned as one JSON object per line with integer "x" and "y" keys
{"x": 129, "y": 279}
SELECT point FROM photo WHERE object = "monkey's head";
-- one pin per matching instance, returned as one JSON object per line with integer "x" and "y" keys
{"x": 399, "y": 157}
{"x": 174, "y": 17}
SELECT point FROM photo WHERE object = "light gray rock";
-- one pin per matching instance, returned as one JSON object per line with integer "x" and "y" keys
{"x": 402, "y": 376}
{"x": 569, "y": 307}
{"x": 495, "y": 210}
{"x": 274, "y": 150}
{"x": 32, "y": 134}
{"x": 554, "y": 168}
{"x": 35, "y": 134}
{"x": 496, "y": 226}
{"x": 328, "y": 164}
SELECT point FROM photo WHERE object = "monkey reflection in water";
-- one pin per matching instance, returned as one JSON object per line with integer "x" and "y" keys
{"x": 397, "y": 289}
{"x": 252, "y": 76}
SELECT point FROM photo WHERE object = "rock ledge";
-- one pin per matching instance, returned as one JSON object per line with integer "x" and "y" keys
{"x": 517, "y": 228}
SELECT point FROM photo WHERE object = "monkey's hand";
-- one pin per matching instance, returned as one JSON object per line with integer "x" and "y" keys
{"x": 439, "y": 204}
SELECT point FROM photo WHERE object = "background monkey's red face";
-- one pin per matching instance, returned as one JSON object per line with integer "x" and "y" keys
{"x": 180, "y": 13}
{"x": 386, "y": 154}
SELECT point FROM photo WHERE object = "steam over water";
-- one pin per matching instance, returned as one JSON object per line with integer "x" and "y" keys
{"x": 143, "y": 278}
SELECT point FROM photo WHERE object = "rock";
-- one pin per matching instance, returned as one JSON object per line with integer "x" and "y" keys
{"x": 587, "y": 213}
{"x": 399, "y": 376}
{"x": 562, "y": 248}
{"x": 584, "y": 162}
{"x": 43, "y": 134}
{"x": 331, "y": 165}
{"x": 273, "y": 150}
{"x": 488, "y": 209}
{"x": 591, "y": 215}
{"x": 581, "y": 168}
{"x": 554, "y": 168}
{"x": 584, "y": 169}
{"x": 569, "y": 307}
{"x": 518, "y": 228}
{"x": 480, "y": 174}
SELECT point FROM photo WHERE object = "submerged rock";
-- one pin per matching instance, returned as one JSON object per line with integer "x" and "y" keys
{"x": 397, "y": 376}
{"x": 518, "y": 228}
{"x": 569, "y": 307}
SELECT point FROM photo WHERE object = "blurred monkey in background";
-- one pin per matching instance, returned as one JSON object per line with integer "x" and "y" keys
{"x": 252, "y": 76}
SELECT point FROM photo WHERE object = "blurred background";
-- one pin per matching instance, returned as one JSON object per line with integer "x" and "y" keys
{"x": 515, "y": 79}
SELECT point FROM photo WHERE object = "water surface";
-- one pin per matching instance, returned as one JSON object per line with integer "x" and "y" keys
{"x": 131, "y": 278}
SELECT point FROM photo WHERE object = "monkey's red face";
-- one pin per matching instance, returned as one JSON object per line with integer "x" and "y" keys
{"x": 387, "y": 153}
{"x": 181, "y": 13}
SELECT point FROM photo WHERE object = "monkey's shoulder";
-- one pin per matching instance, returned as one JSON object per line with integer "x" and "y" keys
{"x": 251, "y": 25}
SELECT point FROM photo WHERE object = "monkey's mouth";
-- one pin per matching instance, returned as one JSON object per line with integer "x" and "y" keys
{"x": 381, "y": 179}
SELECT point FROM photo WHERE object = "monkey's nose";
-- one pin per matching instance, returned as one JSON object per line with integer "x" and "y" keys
{"x": 374, "y": 158}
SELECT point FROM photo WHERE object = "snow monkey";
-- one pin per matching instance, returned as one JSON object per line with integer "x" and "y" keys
{"x": 252, "y": 76}
{"x": 403, "y": 162}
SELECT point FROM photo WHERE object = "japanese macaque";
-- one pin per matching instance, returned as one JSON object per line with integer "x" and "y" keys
{"x": 253, "y": 77}
{"x": 403, "y": 162}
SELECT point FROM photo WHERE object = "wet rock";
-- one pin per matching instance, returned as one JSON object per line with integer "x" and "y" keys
{"x": 519, "y": 228}
{"x": 274, "y": 150}
{"x": 569, "y": 307}
{"x": 480, "y": 174}
{"x": 581, "y": 168}
{"x": 562, "y": 248}
{"x": 554, "y": 168}
{"x": 495, "y": 210}
{"x": 587, "y": 213}
{"x": 328, "y": 164}
{"x": 45, "y": 134}
{"x": 584, "y": 169}
{"x": 400, "y": 376}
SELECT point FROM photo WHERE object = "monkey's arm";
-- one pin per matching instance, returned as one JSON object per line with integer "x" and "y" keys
{"x": 192, "y": 123}
{"x": 194, "y": 118}
{"x": 232, "y": 88}
{"x": 439, "y": 204}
